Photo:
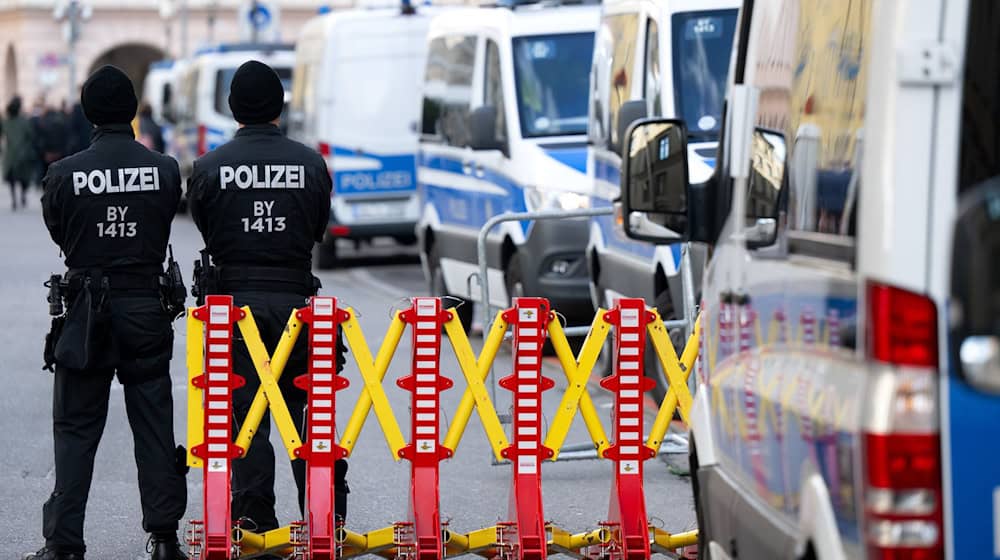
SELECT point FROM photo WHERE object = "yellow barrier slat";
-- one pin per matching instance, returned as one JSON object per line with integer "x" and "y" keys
{"x": 275, "y": 541}
{"x": 268, "y": 385}
{"x": 578, "y": 373}
{"x": 677, "y": 371}
{"x": 475, "y": 371}
{"x": 195, "y": 404}
{"x": 373, "y": 372}
{"x": 670, "y": 542}
{"x": 278, "y": 362}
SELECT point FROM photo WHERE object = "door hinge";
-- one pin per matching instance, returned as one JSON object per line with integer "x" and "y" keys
{"x": 927, "y": 64}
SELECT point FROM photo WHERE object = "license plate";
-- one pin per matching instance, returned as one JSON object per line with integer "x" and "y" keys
{"x": 385, "y": 210}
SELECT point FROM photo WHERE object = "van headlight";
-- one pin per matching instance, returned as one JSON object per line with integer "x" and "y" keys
{"x": 536, "y": 199}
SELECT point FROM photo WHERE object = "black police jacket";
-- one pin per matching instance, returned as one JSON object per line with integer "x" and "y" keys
{"x": 111, "y": 205}
{"x": 261, "y": 200}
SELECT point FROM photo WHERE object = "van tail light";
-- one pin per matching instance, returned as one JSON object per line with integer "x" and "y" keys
{"x": 324, "y": 150}
{"x": 202, "y": 140}
{"x": 902, "y": 443}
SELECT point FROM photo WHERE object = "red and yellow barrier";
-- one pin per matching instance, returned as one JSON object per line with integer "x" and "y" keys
{"x": 524, "y": 534}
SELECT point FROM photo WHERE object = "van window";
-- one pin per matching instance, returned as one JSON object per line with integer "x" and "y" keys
{"x": 224, "y": 81}
{"x": 493, "y": 92}
{"x": 702, "y": 43}
{"x": 448, "y": 88}
{"x": 811, "y": 68}
{"x": 980, "y": 144}
{"x": 654, "y": 80}
{"x": 618, "y": 40}
{"x": 552, "y": 73}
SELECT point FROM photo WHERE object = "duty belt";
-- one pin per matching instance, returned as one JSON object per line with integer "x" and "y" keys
{"x": 140, "y": 279}
{"x": 236, "y": 278}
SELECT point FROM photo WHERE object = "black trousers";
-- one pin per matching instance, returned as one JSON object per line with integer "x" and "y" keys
{"x": 253, "y": 474}
{"x": 79, "y": 412}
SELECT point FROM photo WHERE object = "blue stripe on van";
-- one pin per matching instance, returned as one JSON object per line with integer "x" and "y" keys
{"x": 396, "y": 173}
{"x": 570, "y": 157}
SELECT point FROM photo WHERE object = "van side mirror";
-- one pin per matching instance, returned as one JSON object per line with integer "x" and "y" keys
{"x": 628, "y": 113}
{"x": 655, "y": 181}
{"x": 975, "y": 292}
{"x": 767, "y": 176}
{"x": 483, "y": 129}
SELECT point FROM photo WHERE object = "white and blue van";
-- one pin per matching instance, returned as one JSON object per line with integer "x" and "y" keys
{"x": 355, "y": 99}
{"x": 503, "y": 128}
{"x": 201, "y": 102}
{"x": 849, "y": 384}
{"x": 652, "y": 58}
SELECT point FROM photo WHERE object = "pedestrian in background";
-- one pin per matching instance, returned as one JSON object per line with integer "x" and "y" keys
{"x": 80, "y": 130}
{"x": 150, "y": 133}
{"x": 19, "y": 153}
{"x": 54, "y": 129}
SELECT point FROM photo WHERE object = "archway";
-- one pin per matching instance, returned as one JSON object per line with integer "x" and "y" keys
{"x": 133, "y": 58}
{"x": 9, "y": 74}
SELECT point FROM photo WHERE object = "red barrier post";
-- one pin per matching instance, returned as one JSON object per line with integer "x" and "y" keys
{"x": 319, "y": 449}
{"x": 218, "y": 449}
{"x": 527, "y": 538}
{"x": 627, "y": 513}
{"x": 425, "y": 451}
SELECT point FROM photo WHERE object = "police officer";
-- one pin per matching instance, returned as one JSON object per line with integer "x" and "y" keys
{"x": 109, "y": 208}
{"x": 261, "y": 201}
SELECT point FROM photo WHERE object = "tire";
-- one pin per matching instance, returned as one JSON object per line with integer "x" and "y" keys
{"x": 699, "y": 510}
{"x": 462, "y": 306}
{"x": 326, "y": 254}
{"x": 513, "y": 278}
{"x": 664, "y": 306}
{"x": 604, "y": 364}
{"x": 406, "y": 240}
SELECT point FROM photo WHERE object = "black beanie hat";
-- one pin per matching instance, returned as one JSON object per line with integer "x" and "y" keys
{"x": 108, "y": 97}
{"x": 256, "y": 95}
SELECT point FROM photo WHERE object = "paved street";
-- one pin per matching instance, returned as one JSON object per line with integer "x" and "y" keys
{"x": 474, "y": 493}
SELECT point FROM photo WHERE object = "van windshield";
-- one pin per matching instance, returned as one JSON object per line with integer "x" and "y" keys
{"x": 224, "y": 79}
{"x": 552, "y": 74}
{"x": 702, "y": 43}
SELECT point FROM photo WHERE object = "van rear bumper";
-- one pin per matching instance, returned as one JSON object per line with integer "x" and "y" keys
{"x": 399, "y": 230}
{"x": 554, "y": 266}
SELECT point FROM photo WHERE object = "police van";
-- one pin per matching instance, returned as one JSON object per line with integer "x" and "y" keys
{"x": 204, "y": 120}
{"x": 157, "y": 89}
{"x": 354, "y": 98}
{"x": 503, "y": 128}
{"x": 652, "y": 58}
{"x": 849, "y": 383}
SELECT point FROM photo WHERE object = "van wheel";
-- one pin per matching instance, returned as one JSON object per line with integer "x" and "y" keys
{"x": 406, "y": 240}
{"x": 604, "y": 360}
{"x": 665, "y": 308}
{"x": 513, "y": 278}
{"x": 326, "y": 254}
{"x": 462, "y": 306}
{"x": 699, "y": 510}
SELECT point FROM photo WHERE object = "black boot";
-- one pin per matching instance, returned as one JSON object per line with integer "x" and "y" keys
{"x": 164, "y": 546}
{"x": 46, "y": 554}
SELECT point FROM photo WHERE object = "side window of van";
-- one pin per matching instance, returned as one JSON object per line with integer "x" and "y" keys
{"x": 617, "y": 37}
{"x": 493, "y": 92}
{"x": 448, "y": 88}
{"x": 654, "y": 80}
{"x": 810, "y": 68}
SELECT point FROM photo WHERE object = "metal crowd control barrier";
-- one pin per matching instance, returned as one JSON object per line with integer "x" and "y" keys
{"x": 524, "y": 535}
{"x": 689, "y": 306}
